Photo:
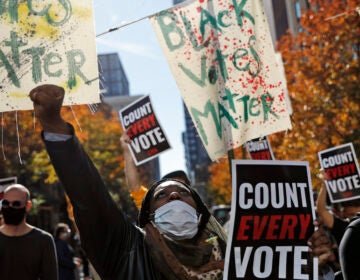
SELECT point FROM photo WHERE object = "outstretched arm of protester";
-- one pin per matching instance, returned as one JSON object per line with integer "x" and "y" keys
{"x": 137, "y": 191}
{"x": 325, "y": 215}
{"x": 97, "y": 216}
{"x": 131, "y": 171}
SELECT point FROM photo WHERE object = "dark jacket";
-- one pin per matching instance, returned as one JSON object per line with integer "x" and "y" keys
{"x": 349, "y": 250}
{"x": 114, "y": 246}
{"x": 65, "y": 256}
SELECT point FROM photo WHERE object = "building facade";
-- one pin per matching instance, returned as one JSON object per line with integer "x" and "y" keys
{"x": 114, "y": 86}
{"x": 113, "y": 80}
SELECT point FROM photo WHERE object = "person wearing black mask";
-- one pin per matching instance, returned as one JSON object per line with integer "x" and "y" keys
{"x": 26, "y": 252}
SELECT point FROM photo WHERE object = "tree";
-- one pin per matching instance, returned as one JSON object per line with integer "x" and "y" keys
{"x": 27, "y": 159}
{"x": 322, "y": 71}
{"x": 220, "y": 179}
{"x": 322, "y": 65}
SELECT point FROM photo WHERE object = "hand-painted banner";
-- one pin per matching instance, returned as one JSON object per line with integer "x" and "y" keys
{"x": 271, "y": 220}
{"x": 4, "y": 183}
{"x": 260, "y": 149}
{"x": 342, "y": 170}
{"x": 148, "y": 139}
{"x": 222, "y": 57}
{"x": 47, "y": 42}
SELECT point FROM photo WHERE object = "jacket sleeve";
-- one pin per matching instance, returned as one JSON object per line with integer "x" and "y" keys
{"x": 64, "y": 255}
{"x": 106, "y": 234}
{"x": 49, "y": 268}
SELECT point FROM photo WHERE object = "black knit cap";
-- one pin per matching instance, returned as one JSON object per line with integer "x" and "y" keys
{"x": 177, "y": 174}
{"x": 144, "y": 214}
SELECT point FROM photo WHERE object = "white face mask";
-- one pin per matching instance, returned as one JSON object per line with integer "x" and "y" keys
{"x": 177, "y": 219}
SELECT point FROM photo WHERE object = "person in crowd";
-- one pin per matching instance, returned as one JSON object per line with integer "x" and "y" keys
{"x": 322, "y": 246}
{"x": 138, "y": 191}
{"x": 349, "y": 250}
{"x": 67, "y": 262}
{"x": 333, "y": 222}
{"x": 174, "y": 239}
{"x": 26, "y": 252}
{"x": 161, "y": 248}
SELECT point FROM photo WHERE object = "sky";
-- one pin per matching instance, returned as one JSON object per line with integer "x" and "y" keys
{"x": 145, "y": 66}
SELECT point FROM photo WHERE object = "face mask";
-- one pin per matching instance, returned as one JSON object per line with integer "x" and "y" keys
{"x": 13, "y": 216}
{"x": 177, "y": 219}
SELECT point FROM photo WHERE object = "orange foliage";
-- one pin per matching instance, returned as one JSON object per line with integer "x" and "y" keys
{"x": 322, "y": 70}
{"x": 322, "y": 65}
{"x": 100, "y": 133}
{"x": 220, "y": 179}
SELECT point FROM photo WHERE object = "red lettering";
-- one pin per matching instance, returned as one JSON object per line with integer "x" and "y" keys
{"x": 304, "y": 222}
{"x": 340, "y": 171}
{"x": 261, "y": 155}
{"x": 273, "y": 226}
{"x": 152, "y": 120}
{"x": 152, "y": 151}
{"x": 259, "y": 227}
{"x": 243, "y": 226}
{"x": 288, "y": 227}
{"x": 142, "y": 125}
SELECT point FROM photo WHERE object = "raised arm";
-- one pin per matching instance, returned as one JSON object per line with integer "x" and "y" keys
{"x": 106, "y": 234}
{"x": 131, "y": 171}
{"x": 325, "y": 215}
{"x": 137, "y": 191}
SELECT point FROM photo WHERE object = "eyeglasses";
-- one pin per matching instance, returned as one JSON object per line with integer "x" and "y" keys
{"x": 15, "y": 204}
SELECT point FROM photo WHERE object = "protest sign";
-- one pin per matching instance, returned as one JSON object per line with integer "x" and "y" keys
{"x": 44, "y": 42}
{"x": 4, "y": 183}
{"x": 271, "y": 219}
{"x": 148, "y": 139}
{"x": 342, "y": 170}
{"x": 223, "y": 60}
{"x": 260, "y": 149}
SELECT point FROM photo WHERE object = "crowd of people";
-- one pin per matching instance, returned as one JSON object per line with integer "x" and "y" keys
{"x": 176, "y": 236}
{"x": 27, "y": 252}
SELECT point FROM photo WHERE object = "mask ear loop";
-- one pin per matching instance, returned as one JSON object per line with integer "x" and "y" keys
{"x": 199, "y": 219}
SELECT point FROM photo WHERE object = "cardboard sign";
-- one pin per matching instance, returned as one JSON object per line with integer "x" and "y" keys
{"x": 271, "y": 220}
{"x": 47, "y": 42}
{"x": 148, "y": 139}
{"x": 4, "y": 183}
{"x": 342, "y": 169}
{"x": 260, "y": 149}
{"x": 224, "y": 63}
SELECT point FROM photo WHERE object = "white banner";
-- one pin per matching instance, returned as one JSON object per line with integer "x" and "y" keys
{"x": 47, "y": 42}
{"x": 222, "y": 57}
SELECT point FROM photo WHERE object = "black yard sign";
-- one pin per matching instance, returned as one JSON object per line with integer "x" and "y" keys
{"x": 271, "y": 220}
